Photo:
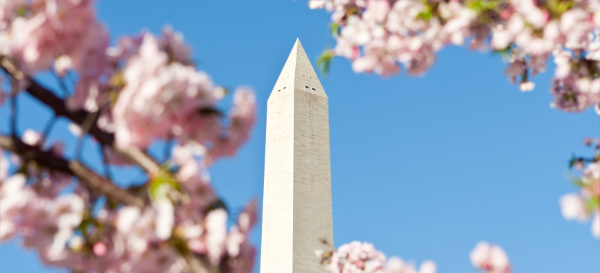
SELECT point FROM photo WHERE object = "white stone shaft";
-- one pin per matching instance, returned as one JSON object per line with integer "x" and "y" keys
{"x": 297, "y": 189}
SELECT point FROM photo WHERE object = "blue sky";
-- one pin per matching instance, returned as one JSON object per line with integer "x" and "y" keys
{"x": 422, "y": 167}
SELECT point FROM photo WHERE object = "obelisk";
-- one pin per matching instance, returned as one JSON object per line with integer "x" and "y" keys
{"x": 297, "y": 189}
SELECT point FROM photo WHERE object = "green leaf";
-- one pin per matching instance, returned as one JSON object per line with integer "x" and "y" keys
{"x": 179, "y": 244}
{"x": 162, "y": 184}
{"x": 504, "y": 53}
{"x": 335, "y": 29}
{"x": 324, "y": 61}
{"x": 426, "y": 14}
{"x": 482, "y": 5}
{"x": 21, "y": 11}
{"x": 593, "y": 204}
{"x": 558, "y": 7}
{"x": 117, "y": 79}
{"x": 578, "y": 182}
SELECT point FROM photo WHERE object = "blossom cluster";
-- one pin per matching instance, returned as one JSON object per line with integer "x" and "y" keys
{"x": 164, "y": 97}
{"x": 63, "y": 33}
{"x": 63, "y": 227}
{"x": 60, "y": 35}
{"x": 585, "y": 204}
{"x": 144, "y": 88}
{"x": 490, "y": 258}
{"x": 357, "y": 257}
{"x": 380, "y": 35}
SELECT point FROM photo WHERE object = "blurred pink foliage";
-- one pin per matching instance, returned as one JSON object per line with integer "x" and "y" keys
{"x": 141, "y": 90}
{"x": 146, "y": 88}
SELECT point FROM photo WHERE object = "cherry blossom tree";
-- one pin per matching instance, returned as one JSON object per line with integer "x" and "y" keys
{"x": 384, "y": 36}
{"x": 122, "y": 98}
{"x": 145, "y": 89}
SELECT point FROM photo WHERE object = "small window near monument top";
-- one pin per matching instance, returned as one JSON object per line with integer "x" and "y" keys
{"x": 306, "y": 86}
{"x": 313, "y": 89}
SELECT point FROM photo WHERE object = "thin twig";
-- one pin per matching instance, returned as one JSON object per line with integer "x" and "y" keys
{"x": 105, "y": 163}
{"x": 61, "y": 83}
{"x": 47, "y": 97}
{"x": 199, "y": 265}
{"x": 75, "y": 168}
{"x": 79, "y": 146}
{"x": 168, "y": 147}
{"x": 13, "y": 106}
{"x": 48, "y": 129}
{"x": 85, "y": 128}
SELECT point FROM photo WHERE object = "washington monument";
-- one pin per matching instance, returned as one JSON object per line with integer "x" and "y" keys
{"x": 297, "y": 190}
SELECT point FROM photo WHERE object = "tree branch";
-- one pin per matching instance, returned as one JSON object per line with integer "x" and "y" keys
{"x": 75, "y": 168}
{"x": 79, "y": 117}
{"x": 198, "y": 265}
{"x": 13, "y": 107}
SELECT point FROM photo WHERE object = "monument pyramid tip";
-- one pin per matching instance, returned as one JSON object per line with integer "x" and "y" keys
{"x": 299, "y": 73}
{"x": 297, "y": 44}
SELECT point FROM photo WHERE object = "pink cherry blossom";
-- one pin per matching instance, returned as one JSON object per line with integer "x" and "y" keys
{"x": 596, "y": 225}
{"x": 160, "y": 260}
{"x": 8, "y": 11}
{"x": 242, "y": 117}
{"x": 14, "y": 198}
{"x": 165, "y": 97}
{"x": 175, "y": 46}
{"x": 165, "y": 218}
{"x": 31, "y": 137}
{"x": 591, "y": 174}
{"x": 53, "y": 29}
{"x": 247, "y": 219}
{"x": 136, "y": 228}
{"x": 490, "y": 258}
{"x": 99, "y": 249}
{"x": 48, "y": 224}
{"x": 526, "y": 86}
{"x": 216, "y": 234}
{"x": 376, "y": 11}
{"x": 239, "y": 250}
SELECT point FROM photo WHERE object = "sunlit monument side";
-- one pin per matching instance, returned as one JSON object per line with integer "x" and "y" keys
{"x": 297, "y": 189}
